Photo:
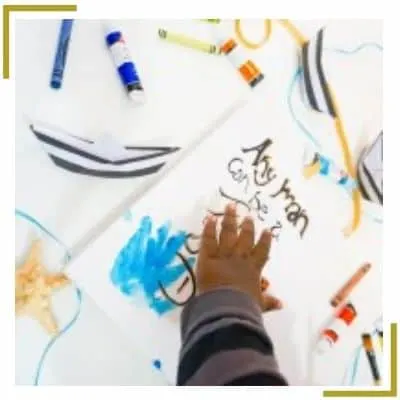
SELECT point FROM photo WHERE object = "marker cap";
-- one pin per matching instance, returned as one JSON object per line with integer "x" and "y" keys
{"x": 110, "y": 27}
{"x": 137, "y": 96}
{"x": 323, "y": 346}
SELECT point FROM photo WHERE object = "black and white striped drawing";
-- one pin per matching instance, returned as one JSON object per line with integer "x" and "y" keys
{"x": 104, "y": 158}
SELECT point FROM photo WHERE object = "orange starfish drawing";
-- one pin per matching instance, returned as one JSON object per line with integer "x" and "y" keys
{"x": 33, "y": 287}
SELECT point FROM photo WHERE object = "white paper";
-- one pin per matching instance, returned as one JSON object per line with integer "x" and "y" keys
{"x": 304, "y": 273}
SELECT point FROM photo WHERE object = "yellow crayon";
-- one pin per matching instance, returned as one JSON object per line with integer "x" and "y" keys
{"x": 211, "y": 20}
{"x": 380, "y": 339}
{"x": 187, "y": 41}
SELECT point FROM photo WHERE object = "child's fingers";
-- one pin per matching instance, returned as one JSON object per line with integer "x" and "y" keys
{"x": 209, "y": 243}
{"x": 270, "y": 303}
{"x": 245, "y": 241}
{"x": 228, "y": 235}
{"x": 264, "y": 283}
{"x": 261, "y": 249}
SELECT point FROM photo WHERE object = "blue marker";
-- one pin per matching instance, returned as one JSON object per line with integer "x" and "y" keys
{"x": 61, "y": 53}
{"x": 123, "y": 61}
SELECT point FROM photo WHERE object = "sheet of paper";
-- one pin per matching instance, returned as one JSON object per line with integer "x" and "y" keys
{"x": 255, "y": 158}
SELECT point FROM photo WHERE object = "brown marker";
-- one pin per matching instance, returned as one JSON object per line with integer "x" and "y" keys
{"x": 346, "y": 289}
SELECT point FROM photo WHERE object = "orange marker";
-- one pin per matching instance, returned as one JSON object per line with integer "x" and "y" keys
{"x": 237, "y": 56}
{"x": 346, "y": 289}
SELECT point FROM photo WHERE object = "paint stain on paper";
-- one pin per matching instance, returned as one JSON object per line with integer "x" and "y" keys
{"x": 147, "y": 261}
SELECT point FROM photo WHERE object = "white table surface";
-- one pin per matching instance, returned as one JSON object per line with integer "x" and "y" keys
{"x": 185, "y": 91}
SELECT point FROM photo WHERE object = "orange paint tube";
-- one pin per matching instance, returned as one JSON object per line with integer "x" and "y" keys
{"x": 237, "y": 56}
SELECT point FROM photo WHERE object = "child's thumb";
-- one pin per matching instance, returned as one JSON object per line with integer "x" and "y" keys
{"x": 270, "y": 303}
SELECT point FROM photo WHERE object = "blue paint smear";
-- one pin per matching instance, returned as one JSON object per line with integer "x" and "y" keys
{"x": 157, "y": 364}
{"x": 145, "y": 261}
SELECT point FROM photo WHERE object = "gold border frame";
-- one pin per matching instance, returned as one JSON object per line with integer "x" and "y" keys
{"x": 8, "y": 8}
{"x": 392, "y": 392}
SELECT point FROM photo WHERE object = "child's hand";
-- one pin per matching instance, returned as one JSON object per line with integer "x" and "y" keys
{"x": 233, "y": 260}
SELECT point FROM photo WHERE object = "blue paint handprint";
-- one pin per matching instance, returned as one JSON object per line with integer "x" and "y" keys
{"x": 144, "y": 264}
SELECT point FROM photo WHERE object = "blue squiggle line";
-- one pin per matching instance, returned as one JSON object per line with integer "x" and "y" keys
{"x": 300, "y": 125}
{"x": 355, "y": 366}
{"x": 55, "y": 338}
{"x": 375, "y": 219}
{"x": 356, "y": 358}
{"x": 362, "y": 46}
{"x": 297, "y": 76}
{"x": 356, "y": 363}
{"x": 38, "y": 225}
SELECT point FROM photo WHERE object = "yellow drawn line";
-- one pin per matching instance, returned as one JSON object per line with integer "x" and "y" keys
{"x": 350, "y": 167}
{"x": 248, "y": 43}
{"x": 340, "y": 131}
{"x": 293, "y": 31}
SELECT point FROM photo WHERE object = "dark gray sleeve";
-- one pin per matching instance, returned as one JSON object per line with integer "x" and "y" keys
{"x": 224, "y": 342}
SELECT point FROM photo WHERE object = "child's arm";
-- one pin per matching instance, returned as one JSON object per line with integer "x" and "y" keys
{"x": 223, "y": 338}
{"x": 224, "y": 342}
